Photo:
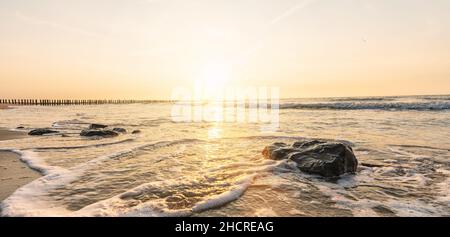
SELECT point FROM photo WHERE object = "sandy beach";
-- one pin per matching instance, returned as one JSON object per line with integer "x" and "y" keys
{"x": 14, "y": 173}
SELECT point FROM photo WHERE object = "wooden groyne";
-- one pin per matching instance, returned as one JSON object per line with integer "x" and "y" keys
{"x": 48, "y": 102}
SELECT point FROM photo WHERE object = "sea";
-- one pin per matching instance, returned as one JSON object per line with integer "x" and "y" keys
{"x": 216, "y": 168}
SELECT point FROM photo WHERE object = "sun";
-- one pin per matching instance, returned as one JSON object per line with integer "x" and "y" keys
{"x": 214, "y": 80}
{"x": 216, "y": 75}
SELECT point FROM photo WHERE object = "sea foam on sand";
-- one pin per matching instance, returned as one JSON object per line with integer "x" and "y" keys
{"x": 31, "y": 199}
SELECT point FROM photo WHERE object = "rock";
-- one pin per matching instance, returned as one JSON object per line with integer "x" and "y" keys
{"x": 99, "y": 133}
{"x": 120, "y": 130}
{"x": 136, "y": 132}
{"x": 97, "y": 126}
{"x": 277, "y": 151}
{"x": 304, "y": 144}
{"x": 41, "y": 131}
{"x": 20, "y": 127}
{"x": 328, "y": 159}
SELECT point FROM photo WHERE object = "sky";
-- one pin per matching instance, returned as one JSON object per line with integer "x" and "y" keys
{"x": 143, "y": 49}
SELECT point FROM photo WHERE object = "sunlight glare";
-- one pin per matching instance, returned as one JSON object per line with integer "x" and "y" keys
{"x": 216, "y": 74}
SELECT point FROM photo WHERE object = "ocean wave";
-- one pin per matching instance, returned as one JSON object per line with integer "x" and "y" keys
{"x": 123, "y": 204}
{"x": 69, "y": 122}
{"x": 32, "y": 200}
{"x": 363, "y": 207}
{"x": 417, "y": 146}
{"x": 436, "y": 97}
{"x": 83, "y": 146}
{"x": 32, "y": 160}
{"x": 277, "y": 137}
{"x": 348, "y": 99}
{"x": 421, "y": 106}
{"x": 225, "y": 197}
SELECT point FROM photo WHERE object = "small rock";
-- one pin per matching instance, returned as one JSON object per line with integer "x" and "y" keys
{"x": 120, "y": 130}
{"x": 20, "y": 127}
{"x": 136, "y": 131}
{"x": 99, "y": 133}
{"x": 41, "y": 131}
{"x": 97, "y": 126}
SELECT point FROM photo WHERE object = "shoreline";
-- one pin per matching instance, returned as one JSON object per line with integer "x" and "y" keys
{"x": 3, "y": 106}
{"x": 13, "y": 172}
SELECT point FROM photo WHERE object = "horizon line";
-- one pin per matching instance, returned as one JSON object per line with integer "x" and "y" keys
{"x": 169, "y": 100}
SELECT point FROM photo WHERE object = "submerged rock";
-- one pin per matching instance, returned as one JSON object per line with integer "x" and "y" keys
{"x": 41, "y": 131}
{"x": 99, "y": 133}
{"x": 97, "y": 126}
{"x": 328, "y": 159}
{"x": 120, "y": 130}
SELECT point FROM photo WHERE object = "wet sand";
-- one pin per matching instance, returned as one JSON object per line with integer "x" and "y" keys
{"x": 13, "y": 172}
{"x": 8, "y": 135}
{"x": 2, "y": 106}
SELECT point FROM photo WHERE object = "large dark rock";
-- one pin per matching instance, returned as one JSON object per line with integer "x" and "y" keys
{"x": 120, "y": 130}
{"x": 41, "y": 131}
{"x": 97, "y": 126}
{"x": 98, "y": 133}
{"x": 325, "y": 158}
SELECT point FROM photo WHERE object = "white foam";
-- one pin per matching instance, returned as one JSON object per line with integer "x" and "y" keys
{"x": 34, "y": 161}
{"x": 31, "y": 199}
{"x": 358, "y": 208}
{"x": 364, "y": 207}
{"x": 119, "y": 205}
{"x": 84, "y": 146}
{"x": 226, "y": 197}
{"x": 368, "y": 105}
{"x": 401, "y": 152}
{"x": 116, "y": 206}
